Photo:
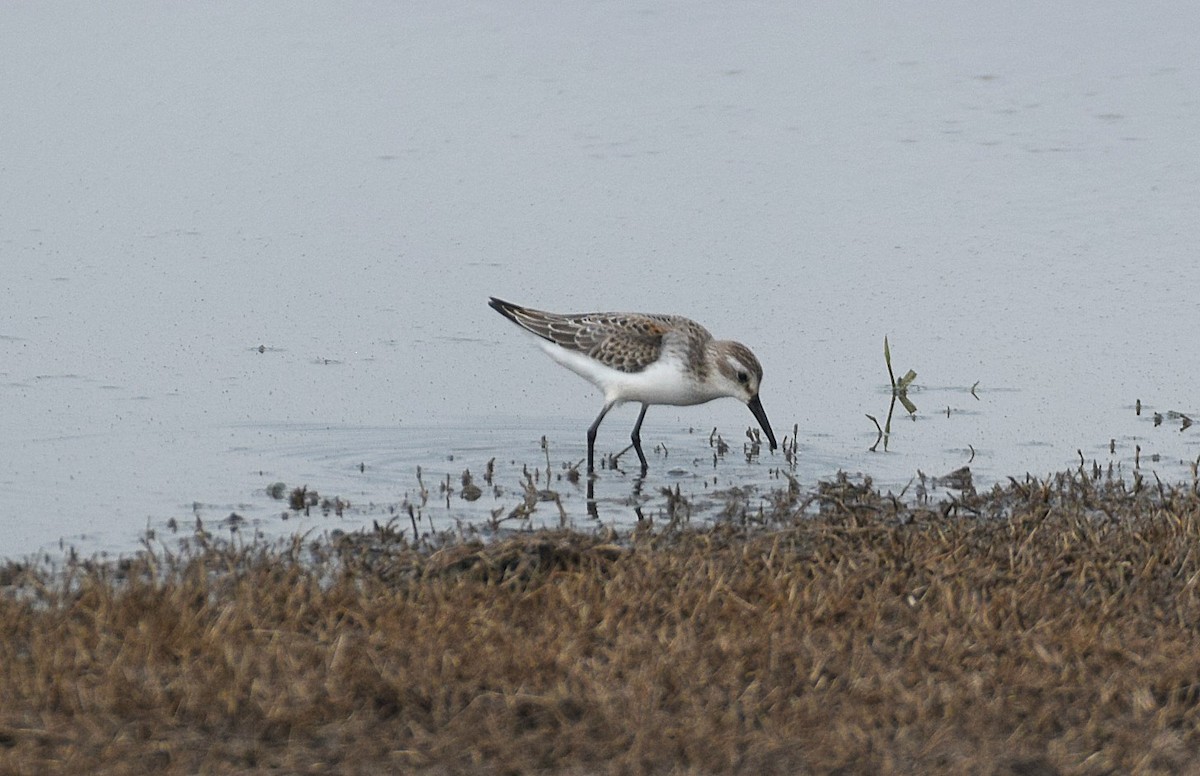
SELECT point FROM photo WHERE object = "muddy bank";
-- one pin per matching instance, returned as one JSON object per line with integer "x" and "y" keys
{"x": 1042, "y": 627}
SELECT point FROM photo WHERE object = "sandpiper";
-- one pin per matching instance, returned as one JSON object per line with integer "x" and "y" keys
{"x": 651, "y": 359}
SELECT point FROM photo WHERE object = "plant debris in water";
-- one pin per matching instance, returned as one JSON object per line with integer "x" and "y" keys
{"x": 1048, "y": 626}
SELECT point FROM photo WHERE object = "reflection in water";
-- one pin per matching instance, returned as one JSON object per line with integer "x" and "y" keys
{"x": 899, "y": 393}
{"x": 696, "y": 491}
{"x": 635, "y": 494}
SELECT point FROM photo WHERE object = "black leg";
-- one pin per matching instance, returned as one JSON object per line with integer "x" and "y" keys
{"x": 592, "y": 438}
{"x": 636, "y": 437}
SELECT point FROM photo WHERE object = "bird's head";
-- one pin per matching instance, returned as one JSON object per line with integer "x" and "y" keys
{"x": 740, "y": 376}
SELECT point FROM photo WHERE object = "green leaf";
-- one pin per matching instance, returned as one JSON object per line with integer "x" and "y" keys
{"x": 887, "y": 357}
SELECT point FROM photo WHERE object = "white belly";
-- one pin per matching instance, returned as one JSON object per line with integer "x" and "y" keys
{"x": 664, "y": 382}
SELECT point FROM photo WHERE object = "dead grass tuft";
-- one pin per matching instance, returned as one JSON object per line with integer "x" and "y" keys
{"x": 1044, "y": 627}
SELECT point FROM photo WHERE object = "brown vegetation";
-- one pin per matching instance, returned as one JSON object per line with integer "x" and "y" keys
{"x": 1045, "y": 627}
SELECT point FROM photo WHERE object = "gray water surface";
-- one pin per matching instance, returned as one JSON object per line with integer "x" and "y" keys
{"x": 254, "y": 243}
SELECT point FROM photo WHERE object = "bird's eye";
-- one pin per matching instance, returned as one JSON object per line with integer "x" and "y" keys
{"x": 743, "y": 378}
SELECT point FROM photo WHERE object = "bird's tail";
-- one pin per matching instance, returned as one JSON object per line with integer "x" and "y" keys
{"x": 507, "y": 309}
{"x": 548, "y": 326}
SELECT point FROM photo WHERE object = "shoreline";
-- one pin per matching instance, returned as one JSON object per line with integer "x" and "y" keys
{"x": 1047, "y": 626}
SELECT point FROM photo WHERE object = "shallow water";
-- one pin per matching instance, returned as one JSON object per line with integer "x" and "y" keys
{"x": 257, "y": 245}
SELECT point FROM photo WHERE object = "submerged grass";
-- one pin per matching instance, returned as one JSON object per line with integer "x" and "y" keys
{"x": 1043, "y": 627}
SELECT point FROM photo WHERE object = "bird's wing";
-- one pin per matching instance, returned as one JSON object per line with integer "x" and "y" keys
{"x": 625, "y": 342}
{"x": 628, "y": 342}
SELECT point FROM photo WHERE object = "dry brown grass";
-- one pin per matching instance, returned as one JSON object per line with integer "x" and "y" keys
{"x": 1036, "y": 629}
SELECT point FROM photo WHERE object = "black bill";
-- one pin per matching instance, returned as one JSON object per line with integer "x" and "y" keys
{"x": 756, "y": 407}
